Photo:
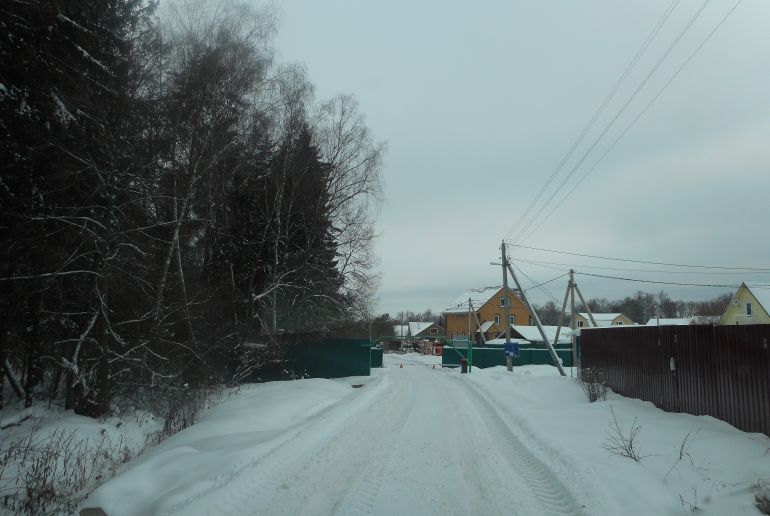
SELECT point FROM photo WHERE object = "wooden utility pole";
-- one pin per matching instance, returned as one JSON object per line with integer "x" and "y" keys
{"x": 469, "y": 352}
{"x": 572, "y": 287}
{"x": 508, "y": 358}
{"x": 532, "y": 311}
{"x": 476, "y": 317}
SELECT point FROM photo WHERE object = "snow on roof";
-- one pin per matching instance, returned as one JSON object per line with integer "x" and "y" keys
{"x": 478, "y": 297}
{"x": 761, "y": 294}
{"x": 601, "y": 319}
{"x": 532, "y": 334}
{"x": 498, "y": 342}
{"x": 669, "y": 321}
{"x": 679, "y": 321}
{"x": 486, "y": 325}
{"x": 417, "y": 327}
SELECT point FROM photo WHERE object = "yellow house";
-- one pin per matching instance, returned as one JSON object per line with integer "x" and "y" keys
{"x": 749, "y": 305}
{"x": 489, "y": 305}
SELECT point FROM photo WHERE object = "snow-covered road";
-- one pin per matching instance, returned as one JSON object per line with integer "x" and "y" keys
{"x": 419, "y": 440}
{"x": 423, "y": 442}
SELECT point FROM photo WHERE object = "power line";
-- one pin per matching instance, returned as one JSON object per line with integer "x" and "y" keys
{"x": 614, "y": 119}
{"x": 543, "y": 283}
{"x": 598, "y": 111}
{"x": 633, "y": 122}
{"x": 662, "y": 282}
{"x": 756, "y": 269}
{"x": 623, "y": 269}
{"x": 543, "y": 289}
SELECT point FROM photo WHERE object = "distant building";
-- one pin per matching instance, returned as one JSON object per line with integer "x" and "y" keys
{"x": 489, "y": 305}
{"x": 531, "y": 334}
{"x": 750, "y": 305}
{"x": 417, "y": 330}
{"x": 425, "y": 330}
{"x": 582, "y": 320}
{"x": 680, "y": 321}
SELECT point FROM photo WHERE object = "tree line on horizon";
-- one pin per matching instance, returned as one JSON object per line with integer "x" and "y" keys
{"x": 173, "y": 200}
{"x": 640, "y": 308}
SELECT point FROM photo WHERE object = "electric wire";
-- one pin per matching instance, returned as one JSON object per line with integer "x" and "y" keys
{"x": 531, "y": 219}
{"x": 598, "y": 111}
{"x": 628, "y": 128}
{"x": 733, "y": 286}
{"x": 623, "y": 269}
{"x": 629, "y": 260}
{"x": 543, "y": 283}
{"x": 542, "y": 289}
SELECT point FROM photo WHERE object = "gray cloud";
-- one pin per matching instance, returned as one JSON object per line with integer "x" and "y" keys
{"x": 479, "y": 101}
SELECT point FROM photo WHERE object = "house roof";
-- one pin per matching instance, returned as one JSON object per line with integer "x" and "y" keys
{"x": 678, "y": 321}
{"x": 417, "y": 327}
{"x": 532, "y": 334}
{"x": 669, "y": 321}
{"x": 761, "y": 294}
{"x": 486, "y": 325}
{"x": 502, "y": 341}
{"x": 478, "y": 297}
{"x": 601, "y": 319}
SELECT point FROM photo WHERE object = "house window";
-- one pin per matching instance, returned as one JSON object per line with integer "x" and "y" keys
{"x": 580, "y": 324}
{"x": 497, "y": 319}
{"x": 512, "y": 320}
{"x": 748, "y": 309}
{"x": 502, "y": 301}
{"x": 433, "y": 331}
{"x": 619, "y": 323}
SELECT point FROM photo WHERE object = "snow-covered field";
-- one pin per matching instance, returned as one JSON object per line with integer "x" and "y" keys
{"x": 418, "y": 439}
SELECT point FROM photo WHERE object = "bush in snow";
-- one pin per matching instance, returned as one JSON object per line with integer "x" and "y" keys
{"x": 762, "y": 496}
{"x": 52, "y": 473}
{"x": 683, "y": 453}
{"x": 620, "y": 443}
{"x": 593, "y": 380}
{"x": 48, "y": 469}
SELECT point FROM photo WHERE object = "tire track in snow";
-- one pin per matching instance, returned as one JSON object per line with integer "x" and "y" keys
{"x": 266, "y": 480}
{"x": 544, "y": 485}
{"x": 366, "y": 479}
{"x": 360, "y": 499}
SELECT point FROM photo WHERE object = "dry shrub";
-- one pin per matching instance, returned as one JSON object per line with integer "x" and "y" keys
{"x": 593, "y": 381}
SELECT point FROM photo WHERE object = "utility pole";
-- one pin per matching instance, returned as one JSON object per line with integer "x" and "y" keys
{"x": 476, "y": 318}
{"x": 470, "y": 342}
{"x": 572, "y": 287}
{"x": 573, "y": 317}
{"x": 508, "y": 358}
{"x": 532, "y": 311}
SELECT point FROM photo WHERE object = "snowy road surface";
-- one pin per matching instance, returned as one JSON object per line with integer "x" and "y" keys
{"x": 420, "y": 441}
{"x": 423, "y": 442}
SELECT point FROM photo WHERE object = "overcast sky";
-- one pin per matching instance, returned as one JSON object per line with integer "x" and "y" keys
{"x": 479, "y": 101}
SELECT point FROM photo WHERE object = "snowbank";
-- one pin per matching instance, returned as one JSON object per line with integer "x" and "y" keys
{"x": 228, "y": 438}
{"x": 719, "y": 468}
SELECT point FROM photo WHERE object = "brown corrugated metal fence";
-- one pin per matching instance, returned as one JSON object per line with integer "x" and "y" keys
{"x": 721, "y": 371}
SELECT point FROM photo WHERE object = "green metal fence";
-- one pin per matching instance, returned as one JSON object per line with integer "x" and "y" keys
{"x": 332, "y": 358}
{"x": 494, "y": 356}
{"x": 376, "y": 356}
